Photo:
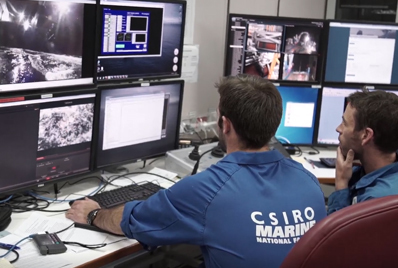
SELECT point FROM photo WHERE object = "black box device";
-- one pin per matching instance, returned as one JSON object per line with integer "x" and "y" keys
{"x": 49, "y": 244}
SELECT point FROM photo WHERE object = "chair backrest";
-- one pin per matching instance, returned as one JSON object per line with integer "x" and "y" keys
{"x": 362, "y": 235}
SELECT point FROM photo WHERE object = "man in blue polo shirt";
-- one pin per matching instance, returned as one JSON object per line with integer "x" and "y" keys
{"x": 368, "y": 133}
{"x": 248, "y": 210}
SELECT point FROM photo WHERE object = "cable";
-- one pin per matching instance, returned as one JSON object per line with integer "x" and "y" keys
{"x": 141, "y": 172}
{"x": 6, "y": 200}
{"x": 196, "y": 167}
{"x": 93, "y": 246}
{"x": 66, "y": 200}
{"x": 13, "y": 247}
{"x": 63, "y": 230}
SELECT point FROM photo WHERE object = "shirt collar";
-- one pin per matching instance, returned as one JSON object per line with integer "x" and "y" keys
{"x": 253, "y": 158}
{"x": 368, "y": 179}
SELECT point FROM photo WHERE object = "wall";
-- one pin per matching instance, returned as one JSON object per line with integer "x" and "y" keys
{"x": 254, "y": 7}
{"x": 210, "y": 30}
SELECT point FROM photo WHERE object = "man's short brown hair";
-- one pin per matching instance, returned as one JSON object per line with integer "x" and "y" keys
{"x": 377, "y": 110}
{"x": 253, "y": 105}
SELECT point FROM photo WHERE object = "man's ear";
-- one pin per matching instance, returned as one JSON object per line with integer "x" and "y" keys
{"x": 227, "y": 125}
{"x": 367, "y": 136}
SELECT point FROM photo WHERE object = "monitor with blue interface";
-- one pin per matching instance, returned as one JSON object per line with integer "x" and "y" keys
{"x": 138, "y": 122}
{"x": 362, "y": 53}
{"x": 286, "y": 49}
{"x": 299, "y": 112}
{"x": 44, "y": 139}
{"x": 140, "y": 40}
{"x": 46, "y": 44}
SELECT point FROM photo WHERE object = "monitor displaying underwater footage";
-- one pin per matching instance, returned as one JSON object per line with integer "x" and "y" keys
{"x": 140, "y": 40}
{"x": 44, "y": 140}
{"x": 45, "y": 44}
{"x": 275, "y": 48}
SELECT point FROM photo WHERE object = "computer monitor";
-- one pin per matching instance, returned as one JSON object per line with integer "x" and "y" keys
{"x": 299, "y": 113}
{"x": 333, "y": 105}
{"x": 334, "y": 101}
{"x": 362, "y": 53}
{"x": 44, "y": 139}
{"x": 140, "y": 40}
{"x": 45, "y": 44}
{"x": 280, "y": 49}
{"x": 138, "y": 122}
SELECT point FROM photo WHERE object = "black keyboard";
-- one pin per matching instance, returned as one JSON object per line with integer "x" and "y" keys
{"x": 125, "y": 194}
{"x": 329, "y": 162}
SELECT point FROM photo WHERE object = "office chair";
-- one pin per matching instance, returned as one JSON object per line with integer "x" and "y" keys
{"x": 363, "y": 235}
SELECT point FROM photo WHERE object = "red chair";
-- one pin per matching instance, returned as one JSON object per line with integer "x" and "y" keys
{"x": 364, "y": 235}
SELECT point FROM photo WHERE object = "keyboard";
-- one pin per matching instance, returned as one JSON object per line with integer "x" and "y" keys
{"x": 329, "y": 162}
{"x": 125, "y": 194}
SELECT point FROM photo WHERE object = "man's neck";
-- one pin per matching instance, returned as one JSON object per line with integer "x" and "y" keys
{"x": 374, "y": 160}
{"x": 238, "y": 148}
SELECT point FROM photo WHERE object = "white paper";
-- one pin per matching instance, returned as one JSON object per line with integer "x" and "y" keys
{"x": 37, "y": 223}
{"x": 190, "y": 63}
{"x": 31, "y": 257}
{"x": 5, "y": 264}
{"x": 190, "y": 22}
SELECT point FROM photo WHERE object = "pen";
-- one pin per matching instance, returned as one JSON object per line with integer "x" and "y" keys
{"x": 310, "y": 162}
{"x": 8, "y": 246}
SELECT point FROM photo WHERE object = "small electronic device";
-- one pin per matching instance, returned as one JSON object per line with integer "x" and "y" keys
{"x": 329, "y": 162}
{"x": 49, "y": 244}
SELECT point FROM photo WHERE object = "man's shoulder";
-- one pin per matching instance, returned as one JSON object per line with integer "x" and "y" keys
{"x": 295, "y": 166}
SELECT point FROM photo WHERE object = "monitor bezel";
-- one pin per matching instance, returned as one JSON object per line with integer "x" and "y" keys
{"x": 33, "y": 184}
{"x": 326, "y": 47}
{"x": 181, "y": 83}
{"x": 323, "y": 42}
{"x": 152, "y": 78}
{"x": 315, "y": 87}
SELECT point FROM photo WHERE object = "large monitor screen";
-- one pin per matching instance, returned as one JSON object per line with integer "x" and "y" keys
{"x": 140, "y": 40}
{"x": 362, "y": 53}
{"x": 46, "y": 43}
{"x": 44, "y": 139}
{"x": 138, "y": 122}
{"x": 299, "y": 112}
{"x": 283, "y": 49}
{"x": 334, "y": 102}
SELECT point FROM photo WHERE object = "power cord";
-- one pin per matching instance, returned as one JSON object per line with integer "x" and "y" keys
{"x": 196, "y": 167}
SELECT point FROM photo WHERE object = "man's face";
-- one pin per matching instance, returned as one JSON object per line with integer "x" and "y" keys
{"x": 349, "y": 138}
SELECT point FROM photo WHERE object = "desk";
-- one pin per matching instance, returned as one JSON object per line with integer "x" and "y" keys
{"x": 89, "y": 258}
{"x": 111, "y": 253}
{"x": 324, "y": 175}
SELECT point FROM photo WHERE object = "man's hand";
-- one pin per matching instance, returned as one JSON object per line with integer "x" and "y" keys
{"x": 80, "y": 209}
{"x": 343, "y": 169}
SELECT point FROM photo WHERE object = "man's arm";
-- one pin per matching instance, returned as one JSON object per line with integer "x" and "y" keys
{"x": 110, "y": 219}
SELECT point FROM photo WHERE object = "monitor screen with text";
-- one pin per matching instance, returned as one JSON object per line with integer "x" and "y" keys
{"x": 140, "y": 39}
{"x": 299, "y": 112}
{"x": 137, "y": 122}
{"x": 334, "y": 102}
{"x": 362, "y": 53}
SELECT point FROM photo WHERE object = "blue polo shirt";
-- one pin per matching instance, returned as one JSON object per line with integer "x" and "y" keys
{"x": 248, "y": 210}
{"x": 379, "y": 183}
